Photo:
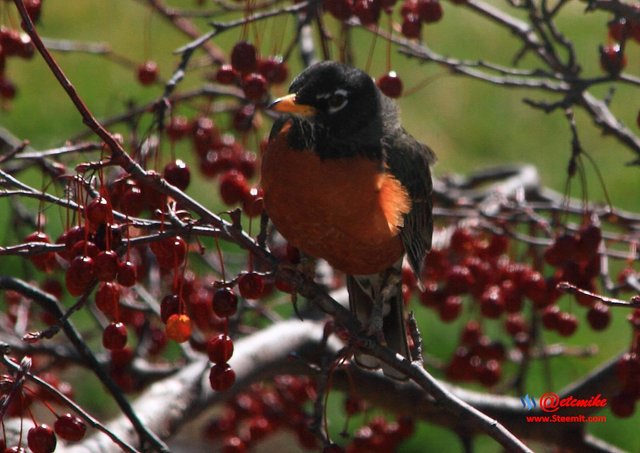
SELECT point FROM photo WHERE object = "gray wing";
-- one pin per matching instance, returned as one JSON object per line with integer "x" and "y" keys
{"x": 409, "y": 161}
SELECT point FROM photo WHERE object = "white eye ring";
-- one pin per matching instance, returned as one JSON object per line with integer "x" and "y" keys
{"x": 337, "y": 101}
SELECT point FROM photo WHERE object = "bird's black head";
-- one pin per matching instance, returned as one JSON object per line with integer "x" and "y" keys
{"x": 338, "y": 107}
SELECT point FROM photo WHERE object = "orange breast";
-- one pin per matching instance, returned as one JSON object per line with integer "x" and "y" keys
{"x": 346, "y": 211}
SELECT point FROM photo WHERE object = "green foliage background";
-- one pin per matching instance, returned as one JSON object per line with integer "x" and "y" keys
{"x": 469, "y": 124}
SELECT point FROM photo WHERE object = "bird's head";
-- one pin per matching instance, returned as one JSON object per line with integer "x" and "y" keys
{"x": 332, "y": 95}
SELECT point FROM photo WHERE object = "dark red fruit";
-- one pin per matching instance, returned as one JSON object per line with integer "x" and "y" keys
{"x": 226, "y": 75}
{"x": 225, "y": 302}
{"x": 114, "y": 336}
{"x": 243, "y": 118}
{"x": 177, "y": 173}
{"x": 220, "y": 348}
{"x": 221, "y": 377}
{"x": 106, "y": 264}
{"x": 99, "y": 211}
{"x": 170, "y": 305}
{"x": 70, "y": 427}
{"x": 108, "y": 298}
{"x": 488, "y": 374}
{"x": 367, "y": 11}
{"x": 567, "y": 324}
{"x": 340, "y": 9}
{"x": 450, "y": 309}
{"x": 612, "y": 59}
{"x": 251, "y": 285}
{"x": 33, "y": 8}
{"x": 623, "y": 405}
{"x": 599, "y": 316}
{"x": 80, "y": 274}
{"x": 178, "y": 128}
{"x": 254, "y": 86}
{"x": 273, "y": 69}
{"x": 253, "y": 204}
{"x": 148, "y": 72}
{"x": 411, "y": 26}
{"x": 551, "y": 317}
{"x": 127, "y": 273}
{"x": 458, "y": 280}
{"x": 244, "y": 57}
{"x": 429, "y": 10}
{"x": 41, "y": 439}
{"x": 492, "y": 302}
{"x": 390, "y": 84}
{"x": 233, "y": 187}
{"x": 44, "y": 262}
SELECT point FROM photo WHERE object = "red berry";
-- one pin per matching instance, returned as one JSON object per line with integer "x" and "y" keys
{"x": 599, "y": 316}
{"x": 221, "y": 377}
{"x": 623, "y": 405}
{"x": 273, "y": 69}
{"x": 411, "y": 26}
{"x": 178, "y": 328}
{"x": 127, "y": 273}
{"x": 170, "y": 305}
{"x": 226, "y": 75}
{"x": 429, "y": 10}
{"x": 247, "y": 163}
{"x": 80, "y": 274}
{"x": 178, "y": 128}
{"x": 41, "y": 439}
{"x": 233, "y": 187}
{"x": 251, "y": 285}
{"x": 567, "y": 324}
{"x": 458, "y": 280}
{"x": 33, "y": 8}
{"x": 390, "y": 84}
{"x": 551, "y": 317}
{"x": 619, "y": 29}
{"x": 254, "y": 86}
{"x": 44, "y": 262}
{"x": 108, "y": 298}
{"x": 225, "y": 302}
{"x": 492, "y": 302}
{"x": 148, "y": 72}
{"x": 177, "y": 173}
{"x": 471, "y": 333}
{"x": 220, "y": 348}
{"x": 450, "y": 309}
{"x": 99, "y": 211}
{"x": 489, "y": 373}
{"x": 70, "y": 427}
{"x": 244, "y": 57}
{"x": 106, "y": 264}
{"x": 340, "y": 9}
{"x": 367, "y": 11}
{"x": 243, "y": 118}
{"x": 612, "y": 59}
{"x": 628, "y": 368}
{"x": 8, "y": 89}
{"x": 114, "y": 336}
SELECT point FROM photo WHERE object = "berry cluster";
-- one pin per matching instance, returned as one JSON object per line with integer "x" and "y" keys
{"x": 261, "y": 410}
{"x": 476, "y": 265}
{"x": 13, "y": 43}
{"x": 41, "y": 438}
{"x": 219, "y": 155}
{"x": 251, "y": 73}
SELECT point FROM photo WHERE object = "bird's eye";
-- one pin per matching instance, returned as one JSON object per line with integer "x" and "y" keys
{"x": 337, "y": 101}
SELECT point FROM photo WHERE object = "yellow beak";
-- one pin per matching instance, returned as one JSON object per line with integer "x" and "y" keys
{"x": 287, "y": 104}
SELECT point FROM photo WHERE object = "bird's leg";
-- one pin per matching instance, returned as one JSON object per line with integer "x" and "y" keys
{"x": 388, "y": 286}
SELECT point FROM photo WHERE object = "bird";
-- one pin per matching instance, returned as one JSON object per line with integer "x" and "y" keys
{"x": 345, "y": 182}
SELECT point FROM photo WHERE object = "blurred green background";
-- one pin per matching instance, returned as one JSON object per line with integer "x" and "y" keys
{"x": 470, "y": 125}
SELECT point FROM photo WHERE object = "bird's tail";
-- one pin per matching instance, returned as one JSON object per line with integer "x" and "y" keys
{"x": 364, "y": 293}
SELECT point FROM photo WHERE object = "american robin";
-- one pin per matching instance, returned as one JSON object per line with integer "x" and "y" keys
{"x": 345, "y": 182}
